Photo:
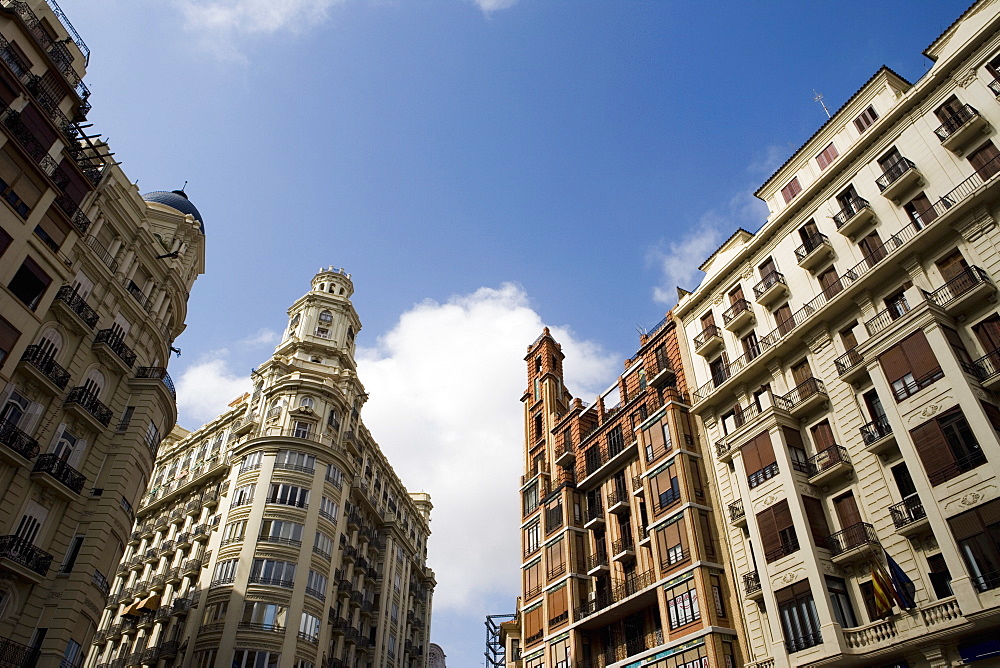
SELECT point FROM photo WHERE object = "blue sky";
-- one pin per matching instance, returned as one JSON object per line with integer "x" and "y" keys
{"x": 481, "y": 169}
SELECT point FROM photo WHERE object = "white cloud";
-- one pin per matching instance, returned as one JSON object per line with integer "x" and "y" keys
{"x": 445, "y": 386}
{"x": 489, "y": 6}
{"x": 262, "y": 337}
{"x": 221, "y": 24}
{"x": 205, "y": 389}
{"x": 679, "y": 260}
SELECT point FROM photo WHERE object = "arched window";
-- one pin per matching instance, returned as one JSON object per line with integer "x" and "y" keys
{"x": 322, "y": 287}
{"x": 350, "y": 334}
{"x": 325, "y": 316}
{"x": 295, "y": 321}
{"x": 50, "y": 343}
{"x": 306, "y": 402}
{"x": 94, "y": 383}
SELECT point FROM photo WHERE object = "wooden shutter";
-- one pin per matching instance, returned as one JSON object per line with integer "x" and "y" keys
{"x": 966, "y": 525}
{"x": 818, "y": 526}
{"x": 989, "y": 512}
{"x": 556, "y": 556}
{"x": 77, "y": 187}
{"x": 533, "y": 622}
{"x": 793, "y": 438}
{"x": 783, "y": 318}
{"x": 873, "y": 248}
{"x": 894, "y": 363}
{"x": 822, "y": 435}
{"x": 558, "y": 602}
{"x": 8, "y": 337}
{"x": 8, "y": 92}
{"x": 37, "y": 272}
{"x": 847, "y": 510}
{"x": 39, "y": 127}
{"x": 792, "y": 592}
{"x": 988, "y": 333}
{"x": 770, "y": 542}
{"x": 952, "y": 266}
{"x": 830, "y": 282}
{"x": 782, "y": 516}
{"x": 918, "y": 352}
{"x": 751, "y": 457}
{"x": 652, "y": 438}
{"x": 801, "y": 372}
{"x": 707, "y": 537}
{"x": 764, "y": 449}
{"x": 736, "y": 295}
{"x": 696, "y": 484}
{"x": 983, "y": 160}
{"x": 933, "y": 450}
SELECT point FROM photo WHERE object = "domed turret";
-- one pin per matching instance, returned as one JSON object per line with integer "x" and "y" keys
{"x": 176, "y": 199}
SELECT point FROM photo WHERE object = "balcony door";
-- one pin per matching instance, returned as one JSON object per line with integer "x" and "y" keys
{"x": 988, "y": 333}
{"x": 847, "y": 511}
{"x": 848, "y": 199}
{"x": 985, "y": 160}
{"x": 801, "y": 372}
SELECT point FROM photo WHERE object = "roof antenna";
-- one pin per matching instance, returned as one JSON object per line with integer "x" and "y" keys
{"x": 186, "y": 183}
{"x": 818, "y": 97}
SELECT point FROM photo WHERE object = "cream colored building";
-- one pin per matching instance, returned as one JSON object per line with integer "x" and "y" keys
{"x": 94, "y": 283}
{"x": 845, "y": 366}
{"x": 278, "y": 535}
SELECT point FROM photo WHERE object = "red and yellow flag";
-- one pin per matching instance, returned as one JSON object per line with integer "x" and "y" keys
{"x": 884, "y": 593}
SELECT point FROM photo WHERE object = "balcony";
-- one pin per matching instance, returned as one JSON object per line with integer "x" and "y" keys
{"x": 109, "y": 344}
{"x": 770, "y": 288}
{"x": 854, "y": 542}
{"x": 74, "y": 311}
{"x": 988, "y": 367}
{"x": 758, "y": 478}
{"x": 564, "y": 455}
{"x": 909, "y": 516}
{"x": 898, "y": 179}
{"x": 887, "y": 316}
{"x": 752, "y": 586}
{"x": 828, "y": 464}
{"x": 851, "y": 366}
{"x": 854, "y": 217}
{"x": 56, "y": 469}
{"x": 18, "y": 443}
{"x": 803, "y": 397}
{"x": 623, "y": 550}
{"x": 815, "y": 251}
{"x": 737, "y": 316}
{"x": 22, "y": 557}
{"x": 877, "y": 435}
{"x": 786, "y": 548}
{"x": 15, "y": 654}
{"x": 961, "y": 128}
{"x": 800, "y": 643}
{"x": 43, "y": 367}
{"x": 618, "y": 501}
{"x": 737, "y": 513}
{"x": 663, "y": 373}
{"x": 963, "y": 292}
{"x": 156, "y": 373}
{"x": 708, "y": 341}
{"x": 597, "y": 563}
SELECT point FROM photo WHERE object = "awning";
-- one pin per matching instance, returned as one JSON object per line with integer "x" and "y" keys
{"x": 150, "y": 603}
{"x": 130, "y": 609}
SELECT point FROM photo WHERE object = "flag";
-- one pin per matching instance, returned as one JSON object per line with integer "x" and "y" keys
{"x": 905, "y": 589}
{"x": 884, "y": 594}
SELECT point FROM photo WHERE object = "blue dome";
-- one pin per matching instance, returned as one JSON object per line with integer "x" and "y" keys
{"x": 176, "y": 199}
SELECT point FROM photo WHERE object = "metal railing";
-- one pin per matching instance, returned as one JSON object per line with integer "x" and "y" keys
{"x": 893, "y": 173}
{"x": 158, "y": 373}
{"x": 18, "y": 441}
{"x": 955, "y": 121}
{"x": 739, "y": 307}
{"x": 787, "y": 547}
{"x": 15, "y": 654}
{"x": 812, "y": 242}
{"x": 907, "y": 512}
{"x": 802, "y": 642}
{"x": 56, "y": 467}
{"x": 42, "y": 360}
{"x": 67, "y": 294}
{"x": 849, "y": 360}
{"x": 84, "y": 398}
{"x": 24, "y": 553}
{"x": 737, "y": 511}
{"x": 766, "y": 283}
{"x": 113, "y": 339}
{"x": 800, "y": 393}
{"x": 961, "y": 465}
{"x": 751, "y": 583}
{"x": 902, "y": 389}
{"x": 760, "y": 477}
{"x": 827, "y": 458}
{"x": 850, "y": 210}
{"x": 958, "y": 286}
{"x": 855, "y": 536}
{"x": 876, "y": 430}
{"x": 887, "y": 316}
{"x": 988, "y": 365}
{"x": 706, "y": 335}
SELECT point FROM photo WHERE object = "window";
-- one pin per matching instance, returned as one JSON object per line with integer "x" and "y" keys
{"x": 72, "y": 554}
{"x": 985, "y": 160}
{"x": 557, "y": 603}
{"x": 799, "y": 621}
{"x": 302, "y": 429}
{"x": 826, "y": 156}
{"x": 29, "y": 283}
{"x": 530, "y": 498}
{"x": 248, "y": 658}
{"x": 866, "y": 119}
{"x": 791, "y": 190}
{"x": 665, "y": 487}
{"x": 777, "y": 533}
{"x": 234, "y": 532}
{"x": 295, "y": 461}
{"x": 289, "y": 495}
{"x": 656, "y": 440}
{"x": 672, "y": 543}
{"x": 910, "y": 366}
{"x": 316, "y": 584}
{"x": 66, "y": 445}
{"x": 830, "y": 282}
{"x": 325, "y": 316}
{"x": 947, "y": 447}
{"x": 940, "y": 576}
{"x": 309, "y": 627}
{"x": 225, "y": 572}
{"x": 251, "y": 462}
{"x": 920, "y": 211}
{"x": 323, "y": 545}
{"x": 281, "y": 531}
{"x": 8, "y": 338}
{"x": 307, "y": 402}
{"x": 334, "y": 475}
{"x": 273, "y": 572}
{"x": 759, "y": 461}
{"x": 242, "y": 495}
{"x": 719, "y": 368}
{"x": 682, "y": 604}
{"x": 843, "y": 611}
{"x": 718, "y": 595}
{"x": 532, "y": 536}
{"x": 533, "y": 579}
{"x": 152, "y": 437}
{"x": 328, "y": 508}
{"x": 17, "y": 188}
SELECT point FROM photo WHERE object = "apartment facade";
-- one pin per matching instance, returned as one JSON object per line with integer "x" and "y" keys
{"x": 845, "y": 366}
{"x": 94, "y": 282}
{"x": 278, "y": 533}
{"x": 622, "y": 560}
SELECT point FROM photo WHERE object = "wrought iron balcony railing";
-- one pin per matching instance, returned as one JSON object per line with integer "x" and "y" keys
{"x": 751, "y": 583}
{"x": 67, "y": 294}
{"x": 827, "y": 458}
{"x": 59, "y": 469}
{"x": 90, "y": 403}
{"x": 964, "y": 282}
{"x": 876, "y": 430}
{"x": 800, "y": 393}
{"x": 955, "y": 121}
{"x": 848, "y": 361}
{"x": 24, "y": 553}
{"x": 812, "y": 242}
{"x": 706, "y": 335}
{"x": 737, "y": 511}
{"x": 157, "y": 372}
{"x": 857, "y": 535}
{"x": 851, "y": 209}
{"x": 39, "y": 358}
{"x": 18, "y": 441}
{"x": 766, "y": 283}
{"x": 907, "y": 512}
{"x": 739, "y": 307}
{"x": 893, "y": 172}
{"x": 113, "y": 339}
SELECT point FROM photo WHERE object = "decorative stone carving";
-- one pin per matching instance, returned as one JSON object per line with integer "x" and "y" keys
{"x": 965, "y": 79}
{"x": 768, "y": 500}
{"x": 972, "y": 497}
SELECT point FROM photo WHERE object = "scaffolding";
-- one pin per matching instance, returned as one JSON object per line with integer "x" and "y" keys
{"x": 496, "y": 655}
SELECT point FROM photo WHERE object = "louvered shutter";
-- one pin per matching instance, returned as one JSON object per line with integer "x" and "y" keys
{"x": 818, "y": 526}
{"x": 921, "y": 357}
{"x": 894, "y": 363}
{"x": 847, "y": 511}
{"x": 764, "y": 449}
{"x": 933, "y": 451}
{"x": 770, "y": 542}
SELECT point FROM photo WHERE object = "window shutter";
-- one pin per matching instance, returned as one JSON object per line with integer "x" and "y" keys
{"x": 770, "y": 542}
{"x": 751, "y": 457}
{"x": 992, "y": 414}
{"x": 652, "y": 438}
{"x": 988, "y": 332}
{"x": 8, "y": 337}
{"x": 823, "y": 436}
{"x": 764, "y": 449}
{"x": 782, "y": 516}
{"x": 920, "y": 355}
{"x": 966, "y": 525}
{"x": 793, "y": 438}
{"x": 558, "y": 602}
{"x": 818, "y": 526}
{"x": 38, "y": 126}
{"x": 989, "y": 513}
{"x": 932, "y": 449}
{"x": 894, "y": 363}
{"x": 847, "y": 510}
{"x": 533, "y": 622}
